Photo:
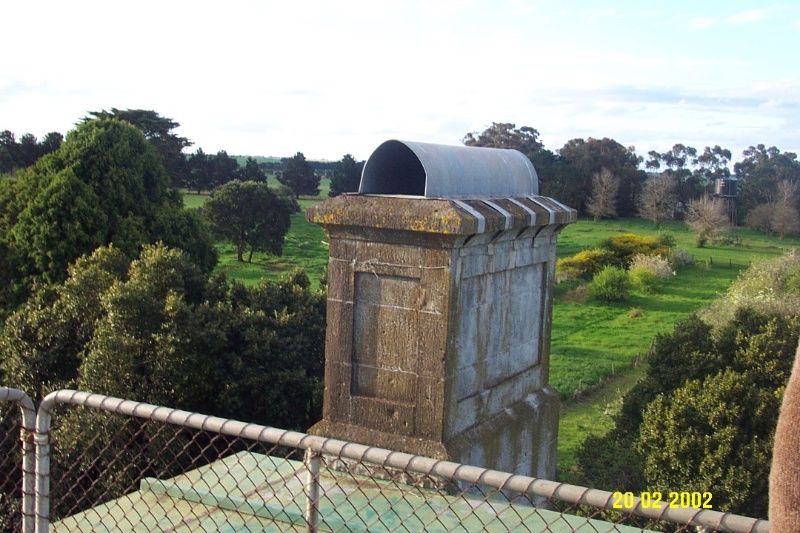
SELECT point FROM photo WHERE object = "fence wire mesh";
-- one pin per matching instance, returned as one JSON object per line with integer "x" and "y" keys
{"x": 17, "y": 494}
{"x": 110, "y": 464}
{"x": 10, "y": 468}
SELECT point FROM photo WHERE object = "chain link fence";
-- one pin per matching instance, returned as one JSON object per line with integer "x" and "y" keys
{"x": 17, "y": 419}
{"x": 108, "y": 464}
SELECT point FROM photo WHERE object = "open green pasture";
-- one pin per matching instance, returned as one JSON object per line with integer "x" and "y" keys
{"x": 595, "y": 346}
{"x": 591, "y": 339}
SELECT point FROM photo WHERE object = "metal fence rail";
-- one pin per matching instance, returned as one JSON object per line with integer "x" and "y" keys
{"x": 119, "y": 464}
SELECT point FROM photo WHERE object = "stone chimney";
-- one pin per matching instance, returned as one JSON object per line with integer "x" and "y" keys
{"x": 439, "y": 308}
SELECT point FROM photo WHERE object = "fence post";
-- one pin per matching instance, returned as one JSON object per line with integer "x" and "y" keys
{"x": 28, "y": 460}
{"x": 313, "y": 461}
{"x": 26, "y": 435}
{"x": 41, "y": 436}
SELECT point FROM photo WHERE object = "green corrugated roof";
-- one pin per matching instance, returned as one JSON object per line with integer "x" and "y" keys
{"x": 253, "y": 492}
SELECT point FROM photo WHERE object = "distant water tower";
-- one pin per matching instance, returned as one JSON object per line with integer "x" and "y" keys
{"x": 727, "y": 189}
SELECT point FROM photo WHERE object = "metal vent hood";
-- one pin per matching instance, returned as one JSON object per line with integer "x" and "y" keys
{"x": 444, "y": 171}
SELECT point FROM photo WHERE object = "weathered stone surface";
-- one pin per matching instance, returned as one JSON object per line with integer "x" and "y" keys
{"x": 439, "y": 327}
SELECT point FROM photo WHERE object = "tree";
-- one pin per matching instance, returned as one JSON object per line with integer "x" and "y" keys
{"x": 708, "y": 437}
{"x": 43, "y": 342}
{"x": 603, "y": 202}
{"x": 225, "y": 168}
{"x": 555, "y": 178}
{"x": 706, "y": 216}
{"x": 760, "y": 172}
{"x": 678, "y": 161}
{"x": 252, "y": 172}
{"x": 554, "y": 175}
{"x": 15, "y": 155}
{"x": 104, "y": 185}
{"x": 299, "y": 176}
{"x": 51, "y": 142}
{"x": 654, "y": 163}
{"x": 158, "y": 131}
{"x": 657, "y": 200}
{"x": 786, "y": 217}
{"x": 346, "y": 176}
{"x": 157, "y": 330}
{"x": 28, "y": 150}
{"x": 712, "y": 165}
{"x": 200, "y": 171}
{"x": 49, "y": 238}
{"x": 508, "y": 136}
{"x": 140, "y": 347}
{"x": 704, "y": 414}
{"x": 584, "y": 158}
{"x": 248, "y": 214}
{"x": 8, "y": 152}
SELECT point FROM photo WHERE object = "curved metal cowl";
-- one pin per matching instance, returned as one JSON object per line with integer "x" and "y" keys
{"x": 443, "y": 171}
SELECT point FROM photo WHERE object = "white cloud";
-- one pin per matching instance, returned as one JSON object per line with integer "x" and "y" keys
{"x": 748, "y": 16}
{"x": 701, "y": 23}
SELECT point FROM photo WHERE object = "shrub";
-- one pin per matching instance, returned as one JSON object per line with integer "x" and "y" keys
{"x": 625, "y": 247}
{"x": 667, "y": 240}
{"x": 681, "y": 258}
{"x": 759, "y": 218}
{"x": 646, "y": 271}
{"x": 610, "y": 284}
{"x": 584, "y": 264}
{"x": 657, "y": 265}
{"x": 643, "y": 280}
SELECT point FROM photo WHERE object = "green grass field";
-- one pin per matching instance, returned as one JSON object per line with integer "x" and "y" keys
{"x": 305, "y": 246}
{"x": 590, "y": 338}
{"x": 594, "y": 346}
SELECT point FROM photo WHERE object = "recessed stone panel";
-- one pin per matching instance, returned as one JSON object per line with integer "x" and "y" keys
{"x": 385, "y": 337}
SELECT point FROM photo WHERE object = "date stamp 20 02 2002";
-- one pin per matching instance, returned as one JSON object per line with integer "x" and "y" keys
{"x": 652, "y": 500}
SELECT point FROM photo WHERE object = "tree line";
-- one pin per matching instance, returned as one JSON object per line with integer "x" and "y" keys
{"x": 601, "y": 178}
{"x": 16, "y": 154}
{"x": 196, "y": 171}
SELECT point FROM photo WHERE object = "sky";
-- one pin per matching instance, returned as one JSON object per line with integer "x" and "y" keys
{"x": 329, "y": 78}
